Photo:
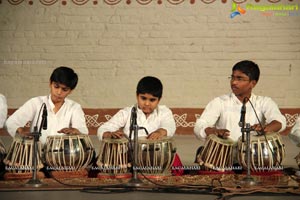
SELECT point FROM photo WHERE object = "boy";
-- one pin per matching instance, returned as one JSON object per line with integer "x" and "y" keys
{"x": 156, "y": 119}
{"x": 64, "y": 116}
{"x": 3, "y": 110}
{"x": 294, "y": 135}
{"x": 222, "y": 115}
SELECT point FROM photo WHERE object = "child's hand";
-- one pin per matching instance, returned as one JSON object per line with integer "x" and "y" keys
{"x": 158, "y": 134}
{"x": 222, "y": 133}
{"x": 114, "y": 135}
{"x": 69, "y": 131}
{"x": 24, "y": 132}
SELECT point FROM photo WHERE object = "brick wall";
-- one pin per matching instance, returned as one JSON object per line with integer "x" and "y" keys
{"x": 190, "y": 47}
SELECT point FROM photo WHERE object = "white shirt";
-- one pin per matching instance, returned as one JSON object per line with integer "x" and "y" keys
{"x": 224, "y": 112}
{"x": 295, "y": 133}
{"x": 3, "y": 110}
{"x": 69, "y": 115}
{"x": 161, "y": 117}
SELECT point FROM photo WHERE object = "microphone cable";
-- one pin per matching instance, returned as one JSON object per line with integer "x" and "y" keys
{"x": 258, "y": 133}
{"x": 36, "y": 124}
{"x": 125, "y": 188}
{"x": 262, "y": 133}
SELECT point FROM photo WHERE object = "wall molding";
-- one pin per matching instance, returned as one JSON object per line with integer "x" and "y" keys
{"x": 185, "y": 118}
{"x": 114, "y": 2}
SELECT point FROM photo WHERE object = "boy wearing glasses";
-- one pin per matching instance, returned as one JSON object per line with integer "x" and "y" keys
{"x": 222, "y": 115}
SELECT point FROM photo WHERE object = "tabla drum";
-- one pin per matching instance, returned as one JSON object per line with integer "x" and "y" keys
{"x": 155, "y": 156}
{"x": 19, "y": 158}
{"x": 2, "y": 152}
{"x": 113, "y": 157}
{"x": 217, "y": 154}
{"x": 297, "y": 158}
{"x": 267, "y": 152}
{"x": 68, "y": 152}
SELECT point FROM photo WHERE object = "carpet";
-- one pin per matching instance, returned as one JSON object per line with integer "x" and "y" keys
{"x": 224, "y": 185}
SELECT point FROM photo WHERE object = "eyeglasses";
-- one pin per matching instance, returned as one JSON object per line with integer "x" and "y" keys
{"x": 238, "y": 78}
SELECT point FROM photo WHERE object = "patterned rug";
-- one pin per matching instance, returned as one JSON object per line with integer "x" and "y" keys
{"x": 224, "y": 185}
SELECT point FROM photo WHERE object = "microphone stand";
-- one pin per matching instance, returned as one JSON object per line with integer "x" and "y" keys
{"x": 135, "y": 181}
{"x": 246, "y": 128}
{"x": 34, "y": 181}
{"x": 248, "y": 180}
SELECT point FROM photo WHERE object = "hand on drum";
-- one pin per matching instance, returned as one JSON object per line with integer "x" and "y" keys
{"x": 69, "y": 131}
{"x": 257, "y": 127}
{"x": 24, "y": 132}
{"x": 222, "y": 133}
{"x": 158, "y": 134}
{"x": 115, "y": 135}
{"x": 273, "y": 126}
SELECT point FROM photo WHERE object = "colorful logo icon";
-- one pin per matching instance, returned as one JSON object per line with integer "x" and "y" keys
{"x": 236, "y": 9}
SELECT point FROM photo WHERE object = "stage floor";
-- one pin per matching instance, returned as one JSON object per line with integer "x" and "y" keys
{"x": 76, "y": 195}
{"x": 220, "y": 186}
{"x": 192, "y": 186}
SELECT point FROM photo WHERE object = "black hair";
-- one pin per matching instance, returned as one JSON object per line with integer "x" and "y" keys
{"x": 249, "y": 68}
{"x": 150, "y": 85}
{"x": 64, "y": 75}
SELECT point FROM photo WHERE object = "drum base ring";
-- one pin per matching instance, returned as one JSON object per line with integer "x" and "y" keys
{"x": 25, "y": 175}
{"x": 154, "y": 176}
{"x": 114, "y": 176}
{"x": 70, "y": 174}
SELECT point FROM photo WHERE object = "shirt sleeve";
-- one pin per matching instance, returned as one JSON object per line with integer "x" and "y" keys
{"x": 78, "y": 120}
{"x": 115, "y": 123}
{"x": 208, "y": 118}
{"x": 21, "y": 116}
{"x": 168, "y": 122}
{"x": 3, "y": 110}
{"x": 295, "y": 132}
{"x": 272, "y": 112}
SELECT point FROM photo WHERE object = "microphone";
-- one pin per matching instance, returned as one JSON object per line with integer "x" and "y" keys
{"x": 133, "y": 121}
{"x": 243, "y": 113}
{"x": 44, "y": 116}
{"x": 242, "y": 119}
{"x": 134, "y": 115}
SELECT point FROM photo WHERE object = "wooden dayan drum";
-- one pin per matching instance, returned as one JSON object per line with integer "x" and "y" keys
{"x": 2, "y": 151}
{"x": 113, "y": 156}
{"x": 19, "y": 158}
{"x": 217, "y": 154}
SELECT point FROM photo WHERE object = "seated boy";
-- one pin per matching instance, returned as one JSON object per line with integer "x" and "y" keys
{"x": 222, "y": 115}
{"x": 294, "y": 135}
{"x": 3, "y": 110}
{"x": 156, "y": 119}
{"x": 64, "y": 116}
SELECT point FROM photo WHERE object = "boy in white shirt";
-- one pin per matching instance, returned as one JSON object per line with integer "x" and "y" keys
{"x": 3, "y": 110}
{"x": 222, "y": 115}
{"x": 294, "y": 135}
{"x": 156, "y": 119}
{"x": 64, "y": 116}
